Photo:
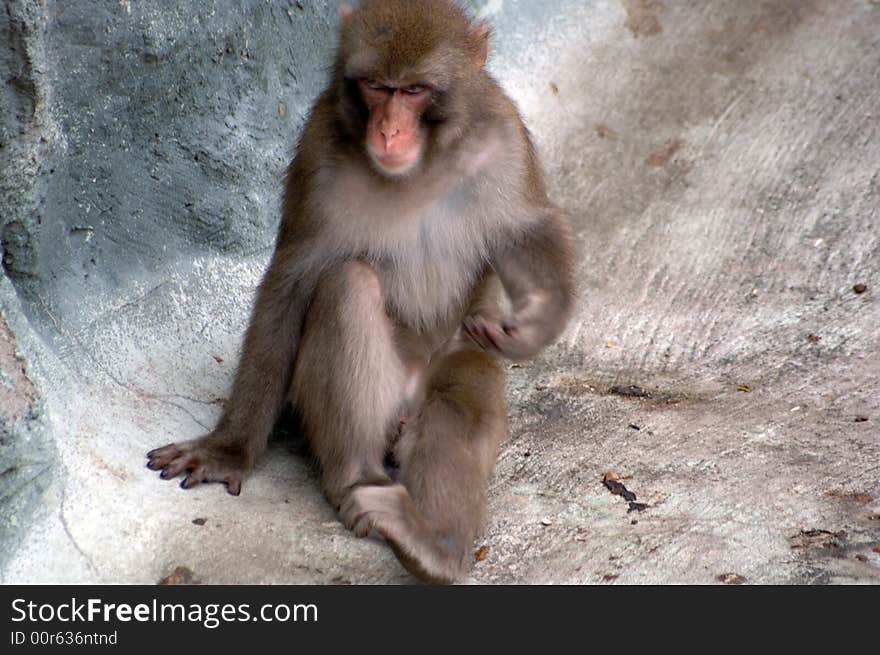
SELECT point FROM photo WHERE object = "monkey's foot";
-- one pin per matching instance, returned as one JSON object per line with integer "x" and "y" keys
{"x": 202, "y": 462}
{"x": 373, "y": 510}
{"x": 388, "y": 511}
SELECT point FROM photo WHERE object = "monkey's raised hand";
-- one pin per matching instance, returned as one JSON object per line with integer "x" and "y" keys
{"x": 507, "y": 339}
{"x": 202, "y": 461}
{"x": 536, "y": 271}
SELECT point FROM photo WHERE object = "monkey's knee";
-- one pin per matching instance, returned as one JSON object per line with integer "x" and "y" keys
{"x": 346, "y": 315}
{"x": 352, "y": 282}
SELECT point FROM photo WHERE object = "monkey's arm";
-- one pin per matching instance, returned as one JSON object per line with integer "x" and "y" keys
{"x": 260, "y": 388}
{"x": 268, "y": 353}
{"x": 270, "y": 345}
{"x": 537, "y": 273}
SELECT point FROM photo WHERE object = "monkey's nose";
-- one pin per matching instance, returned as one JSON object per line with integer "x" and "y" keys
{"x": 390, "y": 133}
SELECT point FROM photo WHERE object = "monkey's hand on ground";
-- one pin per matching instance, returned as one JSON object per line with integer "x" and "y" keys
{"x": 203, "y": 460}
{"x": 510, "y": 339}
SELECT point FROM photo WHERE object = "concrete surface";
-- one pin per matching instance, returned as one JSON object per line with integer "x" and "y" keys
{"x": 721, "y": 162}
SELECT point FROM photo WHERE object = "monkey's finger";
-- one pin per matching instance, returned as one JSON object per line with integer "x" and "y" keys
{"x": 156, "y": 464}
{"x": 161, "y": 457}
{"x": 475, "y": 331}
{"x": 494, "y": 336}
{"x": 510, "y": 329}
{"x": 175, "y": 468}
{"x": 195, "y": 477}
{"x": 468, "y": 325}
{"x": 158, "y": 452}
{"x": 233, "y": 485}
{"x": 490, "y": 338}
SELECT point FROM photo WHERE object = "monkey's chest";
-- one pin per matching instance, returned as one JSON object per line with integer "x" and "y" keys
{"x": 431, "y": 251}
{"x": 428, "y": 280}
{"x": 424, "y": 289}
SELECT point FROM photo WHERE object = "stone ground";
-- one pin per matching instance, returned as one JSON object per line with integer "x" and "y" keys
{"x": 721, "y": 162}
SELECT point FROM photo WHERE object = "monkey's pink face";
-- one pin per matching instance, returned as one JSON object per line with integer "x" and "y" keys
{"x": 395, "y": 141}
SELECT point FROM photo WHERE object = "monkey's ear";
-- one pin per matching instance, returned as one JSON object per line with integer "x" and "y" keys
{"x": 480, "y": 42}
{"x": 345, "y": 12}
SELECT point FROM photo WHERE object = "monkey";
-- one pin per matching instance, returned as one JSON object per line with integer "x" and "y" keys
{"x": 417, "y": 251}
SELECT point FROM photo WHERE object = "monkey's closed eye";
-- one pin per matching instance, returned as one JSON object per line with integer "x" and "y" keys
{"x": 415, "y": 89}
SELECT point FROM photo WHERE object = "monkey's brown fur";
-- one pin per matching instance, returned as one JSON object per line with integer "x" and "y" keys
{"x": 382, "y": 298}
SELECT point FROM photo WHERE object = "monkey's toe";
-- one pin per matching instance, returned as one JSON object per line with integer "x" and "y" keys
{"x": 364, "y": 524}
{"x": 194, "y": 478}
{"x": 365, "y": 527}
{"x": 373, "y": 510}
{"x": 349, "y": 512}
{"x": 356, "y": 509}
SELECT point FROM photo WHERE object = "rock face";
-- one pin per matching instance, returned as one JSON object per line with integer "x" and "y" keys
{"x": 720, "y": 161}
{"x": 134, "y": 136}
{"x": 141, "y": 131}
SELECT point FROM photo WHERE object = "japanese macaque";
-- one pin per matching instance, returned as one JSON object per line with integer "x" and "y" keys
{"x": 414, "y": 203}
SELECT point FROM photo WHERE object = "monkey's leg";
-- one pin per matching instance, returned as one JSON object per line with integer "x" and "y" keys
{"x": 348, "y": 382}
{"x": 446, "y": 457}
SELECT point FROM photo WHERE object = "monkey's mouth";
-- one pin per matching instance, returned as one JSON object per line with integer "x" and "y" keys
{"x": 395, "y": 164}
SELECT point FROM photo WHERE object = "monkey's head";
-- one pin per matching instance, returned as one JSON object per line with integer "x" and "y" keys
{"x": 407, "y": 75}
